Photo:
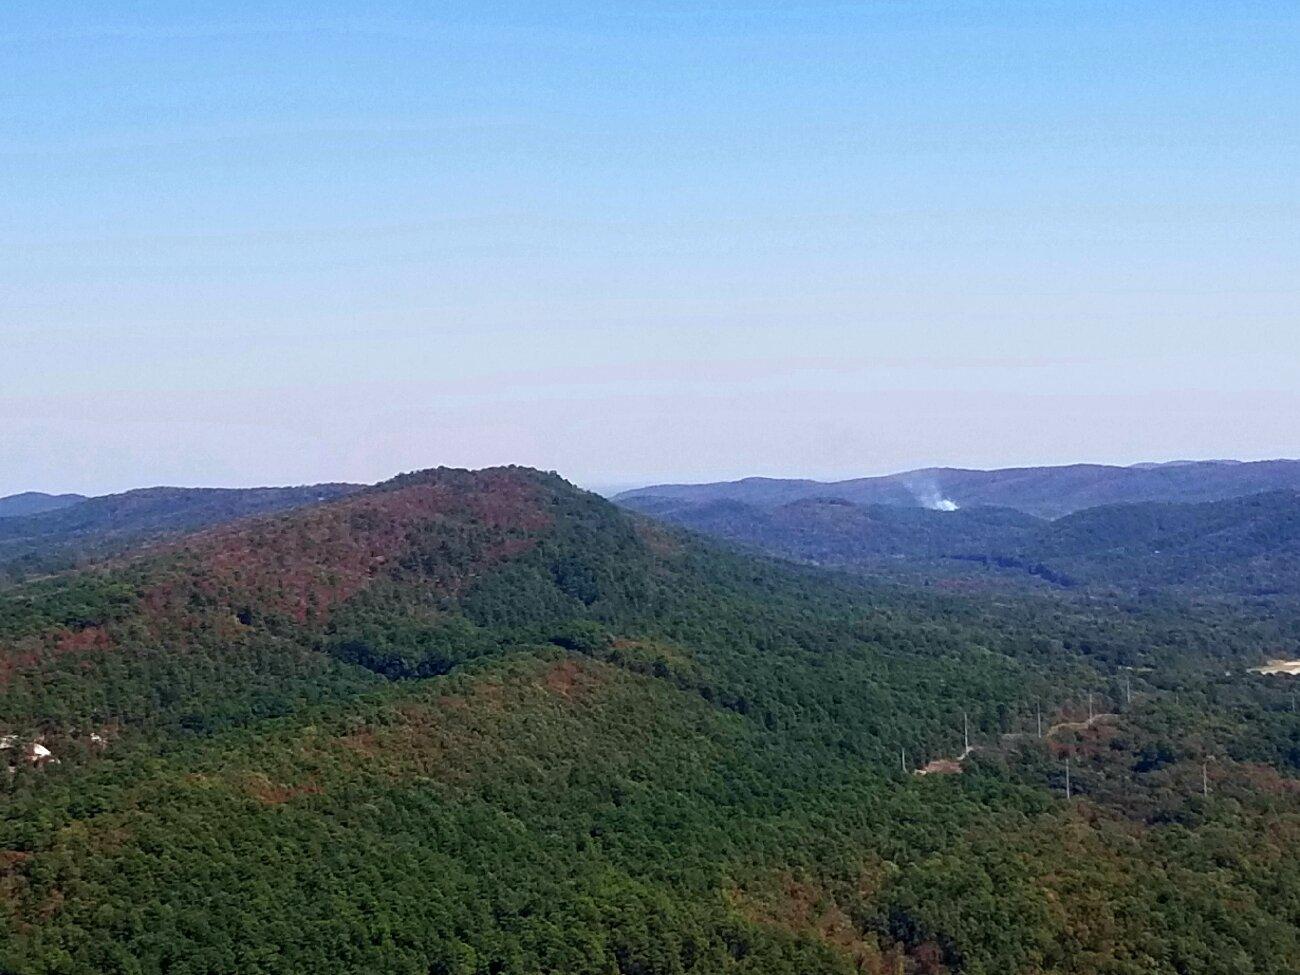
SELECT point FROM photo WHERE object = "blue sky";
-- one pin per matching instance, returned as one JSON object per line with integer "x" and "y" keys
{"x": 268, "y": 243}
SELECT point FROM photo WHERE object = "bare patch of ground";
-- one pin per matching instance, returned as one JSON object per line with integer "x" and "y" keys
{"x": 941, "y": 766}
{"x": 1289, "y": 667}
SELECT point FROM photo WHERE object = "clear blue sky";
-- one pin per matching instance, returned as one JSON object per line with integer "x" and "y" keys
{"x": 263, "y": 243}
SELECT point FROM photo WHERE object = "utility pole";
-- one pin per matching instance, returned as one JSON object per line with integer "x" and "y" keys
{"x": 1128, "y": 691}
{"x": 1205, "y": 780}
{"x": 1039, "y": 709}
{"x": 965, "y": 730}
{"x": 1067, "y": 777}
{"x": 1090, "y": 707}
{"x": 903, "y": 752}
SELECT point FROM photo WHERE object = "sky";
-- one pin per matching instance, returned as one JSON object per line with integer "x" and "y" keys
{"x": 262, "y": 243}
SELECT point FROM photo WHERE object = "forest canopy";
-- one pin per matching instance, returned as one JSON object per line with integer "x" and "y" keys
{"x": 484, "y": 722}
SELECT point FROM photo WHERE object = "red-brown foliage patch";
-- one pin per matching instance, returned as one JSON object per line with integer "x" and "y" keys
{"x": 27, "y": 653}
{"x": 11, "y": 881}
{"x": 90, "y": 638}
{"x": 1087, "y": 739}
{"x": 1260, "y": 778}
{"x": 302, "y": 565}
{"x": 270, "y": 793}
{"x": 657, "y": 539}
{"x": 17, "y": 659}
{"x": 489, "y": 695}
{"x": 803, "y": 908}
{"x": 421, "y": 743}
{"x": 566, "y": 678}
{"x": 571, "y": 680}
{"x": 224, "y": 583}
{"x": 364, "y": 742}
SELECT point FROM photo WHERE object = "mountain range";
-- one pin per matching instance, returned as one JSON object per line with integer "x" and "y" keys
{"x": 484, "y": 722}
{"x": 35, "y": 502}
{"x": 1248, "y": 546}
{"x": 1047, "y": 492}
{"x": 58, "y": 531}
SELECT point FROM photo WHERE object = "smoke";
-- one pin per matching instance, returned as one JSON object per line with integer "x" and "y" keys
{"x": 929, "y": 496}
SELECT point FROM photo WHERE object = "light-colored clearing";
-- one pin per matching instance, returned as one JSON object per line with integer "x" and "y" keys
{"x": 1291, "y": 667}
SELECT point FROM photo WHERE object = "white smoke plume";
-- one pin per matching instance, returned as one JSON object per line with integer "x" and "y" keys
{"x": 929, "y": 496}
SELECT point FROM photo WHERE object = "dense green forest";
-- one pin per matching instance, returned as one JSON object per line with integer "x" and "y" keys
{"x": 1239, "y": 547}
{"x": 40, "y": 534}
{"x": 488, "y": 723}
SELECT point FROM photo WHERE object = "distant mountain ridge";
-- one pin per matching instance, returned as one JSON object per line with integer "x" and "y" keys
{"x": 1248, "y": 545}
{"x": 1245, "y": 546}
{"x": 832, "y": 532}
{"x": 58, "y": 537}
{"x": 1046, "y": 492}
{"x": 36, "y": 502}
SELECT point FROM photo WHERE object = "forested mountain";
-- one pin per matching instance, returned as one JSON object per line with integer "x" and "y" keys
{"x": 1247, "y": 545}
{"x": 34, "y": 502}
{"x": 55, "y": 538}
{"x": 835, "y": 532}
{"x": 1244, "y": 546}
{"x": 483, "y": 722}
{"x": 1048, "y": 492}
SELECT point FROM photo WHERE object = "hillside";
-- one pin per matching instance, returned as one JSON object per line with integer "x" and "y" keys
{"x": 59, "y": 536}
{"x": 35, "y": 502}
{"x": 1047, "y": 492}
{"x": 1246, "y": 546}
{"x": 834, "y": 532}
{"x": 483, "y": 722}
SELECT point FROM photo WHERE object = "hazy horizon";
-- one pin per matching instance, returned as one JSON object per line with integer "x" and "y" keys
{"x": 642, "y": 242}
{"x": 612, "y": 486}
